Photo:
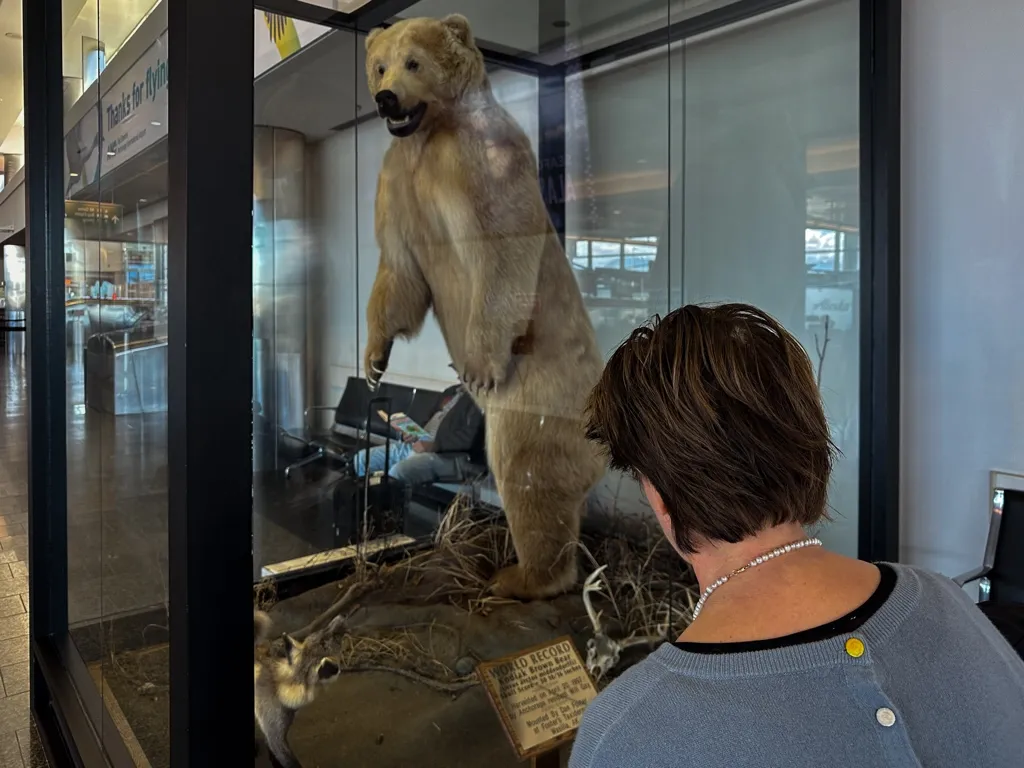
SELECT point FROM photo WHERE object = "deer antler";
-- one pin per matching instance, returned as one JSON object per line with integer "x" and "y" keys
{"x": 592, "y": 584}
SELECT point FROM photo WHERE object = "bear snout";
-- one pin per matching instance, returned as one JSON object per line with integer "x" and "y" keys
{"x": 387, "y": 104}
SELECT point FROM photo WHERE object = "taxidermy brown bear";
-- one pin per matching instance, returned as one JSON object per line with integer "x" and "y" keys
{"x": 462, "y": 229}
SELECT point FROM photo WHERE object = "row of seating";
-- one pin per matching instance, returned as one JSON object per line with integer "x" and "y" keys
{"x": 356, "y": 422}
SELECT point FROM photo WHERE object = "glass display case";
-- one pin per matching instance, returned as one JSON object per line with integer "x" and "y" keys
{"x": 327, "y": 327}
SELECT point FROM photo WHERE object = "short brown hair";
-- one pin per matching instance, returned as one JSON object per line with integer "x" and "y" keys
{"x": 718, "y": 408}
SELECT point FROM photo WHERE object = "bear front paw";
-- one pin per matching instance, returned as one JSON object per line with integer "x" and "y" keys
{"x": 481, "y": 377}
{"x": 375, "y": 361}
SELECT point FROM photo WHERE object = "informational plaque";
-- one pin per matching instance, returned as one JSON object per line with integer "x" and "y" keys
{"x": 539, "y": 694}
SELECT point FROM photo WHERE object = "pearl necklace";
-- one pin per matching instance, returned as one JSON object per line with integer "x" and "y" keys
{"x": 815, "y": 542}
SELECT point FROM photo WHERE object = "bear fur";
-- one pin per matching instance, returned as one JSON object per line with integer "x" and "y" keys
{"x": 463, "y": 230}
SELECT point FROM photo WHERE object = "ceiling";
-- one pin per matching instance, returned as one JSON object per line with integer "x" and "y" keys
{"x": 322, "y": 88}
{"x": 513, "y": 26}
{"x": 111, "y": 21}
{"x": 594, "y": 24}
{"x": 344, "y": 6}
{"x": 576, "y": 27}
{"x": 11, "y": 89}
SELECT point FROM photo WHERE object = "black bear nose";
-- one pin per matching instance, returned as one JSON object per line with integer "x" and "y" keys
{"x": 387, "y": 104}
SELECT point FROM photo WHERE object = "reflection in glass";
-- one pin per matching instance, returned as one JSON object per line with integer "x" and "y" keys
{"x": 115, "y": 255}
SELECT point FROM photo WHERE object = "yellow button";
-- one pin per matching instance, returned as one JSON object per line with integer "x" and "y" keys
{"x": 855, "y": 647}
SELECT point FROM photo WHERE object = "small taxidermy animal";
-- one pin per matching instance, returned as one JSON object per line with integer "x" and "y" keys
{"x": 286, "y": 677}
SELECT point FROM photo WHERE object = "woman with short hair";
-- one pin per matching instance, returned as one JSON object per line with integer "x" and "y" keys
{"x": 796, "y": 656}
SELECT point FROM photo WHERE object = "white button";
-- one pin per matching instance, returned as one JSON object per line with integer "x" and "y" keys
{"x": 885, "y": 717}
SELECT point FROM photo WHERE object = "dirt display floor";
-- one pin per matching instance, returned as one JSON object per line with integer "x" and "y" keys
{"x": 413, "y": 632}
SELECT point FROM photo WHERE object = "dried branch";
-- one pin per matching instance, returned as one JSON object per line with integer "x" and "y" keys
{"x": 821, "y": 347}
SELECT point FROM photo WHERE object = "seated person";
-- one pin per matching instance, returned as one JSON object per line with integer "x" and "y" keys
{"x": 458, "y": 440}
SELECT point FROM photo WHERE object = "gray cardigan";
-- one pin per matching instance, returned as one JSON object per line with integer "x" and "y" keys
{"x": 936, "y": 686}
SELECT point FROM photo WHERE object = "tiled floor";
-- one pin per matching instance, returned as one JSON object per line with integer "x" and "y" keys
{"x": 19, "y": 743}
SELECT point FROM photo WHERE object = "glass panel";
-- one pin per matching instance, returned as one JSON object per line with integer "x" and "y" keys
{"x": 14, "y": 406}
{"x": 763, "y": 174}
{"x": 723, "y": 167}
{"x": 115, "y": 249}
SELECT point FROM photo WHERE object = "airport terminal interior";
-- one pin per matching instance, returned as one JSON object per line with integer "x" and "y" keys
{"x": 684, "y": 153}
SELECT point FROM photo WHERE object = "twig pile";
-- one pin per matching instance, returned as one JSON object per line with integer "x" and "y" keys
{"x": 647, "y": 586}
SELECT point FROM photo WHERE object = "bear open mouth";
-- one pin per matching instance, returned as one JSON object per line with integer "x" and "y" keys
{"x": 407, "y": 124}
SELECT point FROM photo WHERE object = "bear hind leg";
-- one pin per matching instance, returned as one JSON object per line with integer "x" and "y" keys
{"x": 545, "y": 524}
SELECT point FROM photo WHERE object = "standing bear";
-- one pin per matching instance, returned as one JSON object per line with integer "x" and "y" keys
{"x": 462, "y": 229}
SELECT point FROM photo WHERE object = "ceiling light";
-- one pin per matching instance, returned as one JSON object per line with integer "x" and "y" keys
{"x": 110, "y": 154}
{"x": 74, "y": 175}
{"x": 155, "y": 122}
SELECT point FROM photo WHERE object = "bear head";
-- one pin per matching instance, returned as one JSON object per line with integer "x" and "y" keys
{"x": 418, "y": 69}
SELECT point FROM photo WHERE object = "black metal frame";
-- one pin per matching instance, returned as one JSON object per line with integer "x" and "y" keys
{"x": 880, "y": 30}
{"x": 210, "y": 258}
{"x": 210, "y": 329}
{"x": 44, "y": 236}
{"x": 551, "y": 166}
{"x": 64, "y": 702}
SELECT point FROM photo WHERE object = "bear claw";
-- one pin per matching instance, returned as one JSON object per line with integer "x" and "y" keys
{"x": 514, "y": 583}
{"x": 480, "y": 384}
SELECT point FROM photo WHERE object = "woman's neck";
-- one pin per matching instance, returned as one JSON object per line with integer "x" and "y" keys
{"x": 714, "y": 561}
{"x": 799, "y": 590}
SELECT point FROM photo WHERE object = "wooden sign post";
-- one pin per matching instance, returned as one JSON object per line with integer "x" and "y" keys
{"x": 539, "y": 694}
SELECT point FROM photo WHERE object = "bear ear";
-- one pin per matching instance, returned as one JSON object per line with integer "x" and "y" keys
{"x": 372, "y": 34}
{"x": 459, "y": 26}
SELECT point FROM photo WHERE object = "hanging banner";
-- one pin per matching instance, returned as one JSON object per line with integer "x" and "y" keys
{"x": 131, "y": 117}
{"x": 132, "y": 113}
{"x": 276, "y": 37}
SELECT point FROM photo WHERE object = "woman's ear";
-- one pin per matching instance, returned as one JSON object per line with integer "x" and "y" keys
{"x": 660, "y": 510}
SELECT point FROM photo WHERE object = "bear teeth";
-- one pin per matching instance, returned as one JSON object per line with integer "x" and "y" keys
{"x": 402, "y": 121}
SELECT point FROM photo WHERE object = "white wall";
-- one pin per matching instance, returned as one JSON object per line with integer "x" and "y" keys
{"x": 962, "y": 409}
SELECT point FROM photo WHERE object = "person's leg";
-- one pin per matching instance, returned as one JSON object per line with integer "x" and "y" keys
{"x": 399, "y": 451}
{"x": 423, "y": 468}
